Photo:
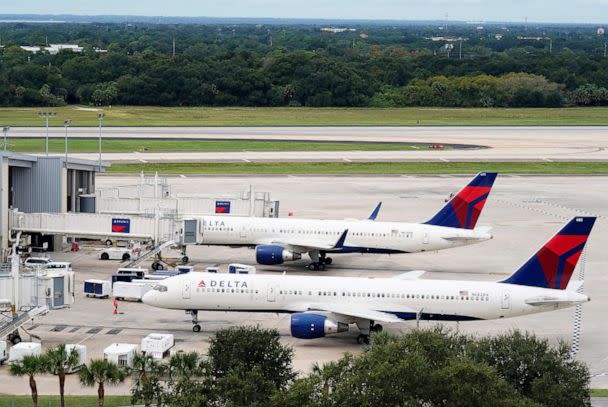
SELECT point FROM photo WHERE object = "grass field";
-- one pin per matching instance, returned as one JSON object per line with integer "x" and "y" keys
{"x": 599, "y": 392}
{"x": 282, "y": 116}
{"x": 120, "y": 146}
{"x": 364, "y": 168}
{"x": 70, "y": 401}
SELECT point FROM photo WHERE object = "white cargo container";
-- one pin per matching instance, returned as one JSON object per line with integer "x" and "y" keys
{"x": 82, "y": 355}
{"x": 121, "y": 353}
{"x": 22, "y": 349}
{"x": 3, "y": 353}
{"x": 97, "y": 288}
{"x": 132, "y": 291}
{"x": 157, "y": 345}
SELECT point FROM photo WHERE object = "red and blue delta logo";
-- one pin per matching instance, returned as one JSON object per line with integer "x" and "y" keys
{"x": 202, "y": 284}
{"x": 120, "y": 225}
{"x": 222, "y": 206}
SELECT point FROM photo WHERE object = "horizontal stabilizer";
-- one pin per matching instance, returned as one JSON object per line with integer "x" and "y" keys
{"x": 410, "y": 275}
{"x": 546, "y": 300}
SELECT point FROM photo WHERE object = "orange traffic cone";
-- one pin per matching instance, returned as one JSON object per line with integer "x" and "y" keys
{"x": 115, "y": 303}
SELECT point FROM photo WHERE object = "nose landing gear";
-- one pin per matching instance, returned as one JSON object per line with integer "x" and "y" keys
{"x": 195, "y": 325}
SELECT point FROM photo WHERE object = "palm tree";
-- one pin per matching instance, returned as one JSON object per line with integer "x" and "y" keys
{"x": 185, "y": 365}
{"x": 146, "y": 374}
{"x": 30, "y": 366}
{"x": 101, "y": 372}
{"x": 60, "y": 362}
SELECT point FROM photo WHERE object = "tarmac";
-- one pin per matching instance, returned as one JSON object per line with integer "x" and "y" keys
{"x": 524, "y": 212}
{"x": 508, "y": 143}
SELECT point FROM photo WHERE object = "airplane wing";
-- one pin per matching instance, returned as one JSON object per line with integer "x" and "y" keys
{"x": 303, "y": 245}
{"x": 349, "y": 311}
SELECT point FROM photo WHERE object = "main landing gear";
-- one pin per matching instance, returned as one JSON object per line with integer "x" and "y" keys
{"x": 195, "y": 325}
{"x": 363, "y": 338}
{"x": 321, "y": 263}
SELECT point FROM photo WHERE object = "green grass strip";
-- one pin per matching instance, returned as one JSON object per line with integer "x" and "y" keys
{"x": 36, "y": 145}
{"x": 70, "y": 401}
{"x": 305, "y": 116}
{"x": 365, "y": 168}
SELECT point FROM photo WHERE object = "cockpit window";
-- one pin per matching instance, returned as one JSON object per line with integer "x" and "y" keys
{"x": 161, "y": 288}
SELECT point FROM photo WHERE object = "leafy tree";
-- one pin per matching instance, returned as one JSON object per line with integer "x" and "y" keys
{"x": 101, "y": 372}
{"x": 538, "y": 371}
{"x": 60, "y": 362}
{"x": 247, "y": 348}
{"x": 31, "y": 366}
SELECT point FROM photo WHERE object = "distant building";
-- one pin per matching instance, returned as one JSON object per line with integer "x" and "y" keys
{"x": 601, "y": 31}
{"x": 55, "y": 48}
{"x": 498, "y": 36}
{"x": 363, "y": 35}
{"x": 52, "y": 48}
{"x": 448, "y": 39}
{"x": 100, "y": 51}
{"x": 33, "y": 50}
{"x": 336, "y": 30}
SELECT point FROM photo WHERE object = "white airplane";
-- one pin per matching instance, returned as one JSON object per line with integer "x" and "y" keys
{"x": 277, "y": 240}
{"x": 322, "y": 305}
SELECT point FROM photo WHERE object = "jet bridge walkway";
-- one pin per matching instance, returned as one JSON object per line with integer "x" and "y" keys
{"x": 157, "y": 227}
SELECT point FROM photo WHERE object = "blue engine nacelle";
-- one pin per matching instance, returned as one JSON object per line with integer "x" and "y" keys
{"x": 305, "y": 325}
{"x": 270, "y": 254}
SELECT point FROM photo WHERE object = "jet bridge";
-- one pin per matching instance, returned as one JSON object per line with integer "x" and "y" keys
{"x": 158, "y": 227}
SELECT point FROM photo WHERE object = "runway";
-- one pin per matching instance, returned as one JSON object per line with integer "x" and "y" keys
{"x": 576, "y": 143}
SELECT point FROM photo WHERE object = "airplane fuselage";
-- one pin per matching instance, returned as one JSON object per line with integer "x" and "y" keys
{"x": 407, "y": 299}
{"x": 364, "y": 236}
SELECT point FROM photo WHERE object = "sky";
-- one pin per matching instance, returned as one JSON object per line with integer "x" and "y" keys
{"x": 558, "y": 11}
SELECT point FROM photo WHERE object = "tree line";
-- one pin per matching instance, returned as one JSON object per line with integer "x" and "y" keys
{"x": 248, "y": 366}
{"x": 246, "y": 65}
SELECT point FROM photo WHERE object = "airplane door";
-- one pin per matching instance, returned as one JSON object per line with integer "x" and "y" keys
{"x": 425, "y": 239}
{"x": 505, "y": 302}
{"x": 186, "y": 290}
{"x": 272, "y": 293}
{"x": 243, "y": 232}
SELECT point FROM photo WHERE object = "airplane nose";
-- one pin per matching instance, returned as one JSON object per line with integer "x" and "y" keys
{"x": 149, "y": 298}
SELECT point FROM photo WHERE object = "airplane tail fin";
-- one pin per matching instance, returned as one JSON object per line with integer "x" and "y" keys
{"x": 463, "y": 210}
{"x": 553, "y": 265}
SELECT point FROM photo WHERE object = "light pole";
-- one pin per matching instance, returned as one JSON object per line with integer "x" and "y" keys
{"x": 100, "y": 116}
{"x": 5, "y": 131}
{"x": 66, "y": 124}
{"x": 45, "y": 116}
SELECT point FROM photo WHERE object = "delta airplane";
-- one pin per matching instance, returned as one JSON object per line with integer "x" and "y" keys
{"x": 277, "y": 240}
{"x": 321, "y": 305}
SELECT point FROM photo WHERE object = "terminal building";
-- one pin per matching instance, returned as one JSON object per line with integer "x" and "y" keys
{"x": 48, "y": 199}
{"x": 42, "y": 184}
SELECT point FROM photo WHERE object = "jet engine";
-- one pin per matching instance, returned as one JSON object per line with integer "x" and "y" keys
{"x": 270, "y": 254}
{"x": 305, "y": 325}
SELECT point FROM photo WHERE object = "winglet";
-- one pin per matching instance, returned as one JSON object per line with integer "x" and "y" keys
{"x": 374, "y": 214}
{"x": 340, "y": 243}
